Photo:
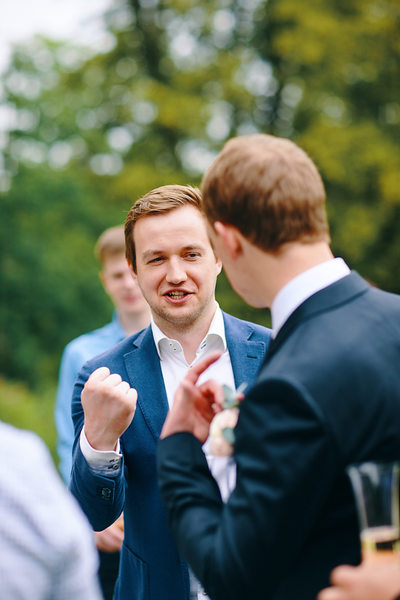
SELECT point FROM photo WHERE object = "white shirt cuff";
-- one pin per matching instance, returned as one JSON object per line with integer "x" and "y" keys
{"x": 103, "y": 462}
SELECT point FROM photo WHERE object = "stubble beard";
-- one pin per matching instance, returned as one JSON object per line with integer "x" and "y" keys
{"x": 181, "y": 323}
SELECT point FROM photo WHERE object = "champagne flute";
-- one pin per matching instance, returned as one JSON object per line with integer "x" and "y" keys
{"x": 376, "y": 490}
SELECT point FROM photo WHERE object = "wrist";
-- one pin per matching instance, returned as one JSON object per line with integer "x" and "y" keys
{"x": 100, "y": 442}
{"x": 175, "y": 425}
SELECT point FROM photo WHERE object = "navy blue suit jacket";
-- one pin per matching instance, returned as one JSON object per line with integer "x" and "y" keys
{"x": 327, "y": 395}
{"x": 151, "y": 566}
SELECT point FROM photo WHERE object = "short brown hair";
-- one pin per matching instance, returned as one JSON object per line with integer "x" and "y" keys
{"x": 110, "y": 243}
{"x": 269, "y": 189}
{"x": 159, "y": 201}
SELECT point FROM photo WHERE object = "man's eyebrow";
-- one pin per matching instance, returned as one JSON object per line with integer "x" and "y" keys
{"x": 149, "y": 253}
{"x": 155, "y": 252}
{"x": 198, "y": 247}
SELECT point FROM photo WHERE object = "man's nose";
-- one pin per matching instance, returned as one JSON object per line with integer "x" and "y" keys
{"x": 176, "y": 272}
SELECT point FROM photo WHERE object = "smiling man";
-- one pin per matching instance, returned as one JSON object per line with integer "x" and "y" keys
{"x": 121, "y": 398}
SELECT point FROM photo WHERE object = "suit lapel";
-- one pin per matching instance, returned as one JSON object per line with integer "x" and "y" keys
{"x": 142, "y": 364}
{"x": 246, "y": 355}
{"x": 144, "y": 371}
{"x": 340, "y": 292}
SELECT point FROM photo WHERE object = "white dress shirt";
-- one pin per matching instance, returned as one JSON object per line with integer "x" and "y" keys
{"x": 174, "y": 368}
{"x": 302, "y": 287}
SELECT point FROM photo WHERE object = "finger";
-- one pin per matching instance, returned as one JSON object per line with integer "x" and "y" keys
{"x": 194, "y": 372}
{"x": 123, "y": 387}
{"x": 213, "y": 392}
{"x": 106, "y": 541}
{"x": 132, "y": 395}
{"x": 114, "y": 379}
{"x": 331, "y": 593}
{"x": 341, "y": 575}
{"x": 99, "y": 374}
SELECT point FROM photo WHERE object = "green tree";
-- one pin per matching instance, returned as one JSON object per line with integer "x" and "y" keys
{"x": 89, "y": 133}
{"x": 337, "y": 64}
{"x": 50, "y": 291}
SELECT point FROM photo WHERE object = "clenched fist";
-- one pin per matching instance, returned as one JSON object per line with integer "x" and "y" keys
{"x": 109, "y": 405}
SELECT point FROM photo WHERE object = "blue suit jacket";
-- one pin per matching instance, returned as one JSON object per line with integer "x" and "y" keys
{"x": 327, "y": 395}
{"x": 151, "y": 567}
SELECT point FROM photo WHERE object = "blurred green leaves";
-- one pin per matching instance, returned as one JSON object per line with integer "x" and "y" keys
{"x": 87, "y": 134}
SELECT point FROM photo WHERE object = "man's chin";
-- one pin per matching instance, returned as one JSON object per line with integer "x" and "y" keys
{"x": 178, "y": 315}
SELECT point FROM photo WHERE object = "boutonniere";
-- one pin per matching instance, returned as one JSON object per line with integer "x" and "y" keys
{"x": 222, "y": 434}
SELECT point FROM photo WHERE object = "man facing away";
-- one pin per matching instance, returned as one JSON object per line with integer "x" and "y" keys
{"x": 122, "y": 397}
{"x": 327, "y": 395}
{"x": 131, "y": 314}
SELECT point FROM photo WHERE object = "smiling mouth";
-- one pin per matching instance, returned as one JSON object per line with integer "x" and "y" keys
{"x": 177, "y": 295}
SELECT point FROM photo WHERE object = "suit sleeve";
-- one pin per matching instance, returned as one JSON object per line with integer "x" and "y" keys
{"x": 101, "y": 497}
{"x": 285, "y": 469}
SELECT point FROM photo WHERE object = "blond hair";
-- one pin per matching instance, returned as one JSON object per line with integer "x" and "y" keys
{"x": 110, "y": 243}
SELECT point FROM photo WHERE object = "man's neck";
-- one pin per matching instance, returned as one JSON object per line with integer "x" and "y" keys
{"x": 131, "y": 323}
{"x": 272, "y": 271}
{"x": 189, "y": 335}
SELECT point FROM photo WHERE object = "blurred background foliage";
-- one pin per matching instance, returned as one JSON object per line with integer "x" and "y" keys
{"x": 88, "y": 133}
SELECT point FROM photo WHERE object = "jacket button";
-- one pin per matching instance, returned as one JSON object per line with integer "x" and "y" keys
{"x": 106, "y": 493}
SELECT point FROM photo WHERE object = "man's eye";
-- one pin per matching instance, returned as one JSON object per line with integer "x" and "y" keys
{"x": 192, "y": 255}
{"x": 156, "y": 260}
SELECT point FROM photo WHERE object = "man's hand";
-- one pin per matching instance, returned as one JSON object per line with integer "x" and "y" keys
{"x": 194, "y": 407}
{"x": 110, "y": 539}
{"x": 369, "y": 581}
{"x": 109, "y": 405}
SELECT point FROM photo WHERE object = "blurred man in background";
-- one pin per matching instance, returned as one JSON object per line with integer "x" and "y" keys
{"x": 131, "y": 314}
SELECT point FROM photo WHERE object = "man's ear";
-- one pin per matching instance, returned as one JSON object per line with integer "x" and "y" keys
{"x": 231, "y": 238}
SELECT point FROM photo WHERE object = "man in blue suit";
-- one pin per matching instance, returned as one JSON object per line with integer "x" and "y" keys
{"x": 327, "y": 395}
{"x": 122, "y": 397}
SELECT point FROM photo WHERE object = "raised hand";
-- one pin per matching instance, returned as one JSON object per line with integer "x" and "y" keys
{"x": 109, "y": 404}
{"x": 195, "y": 406}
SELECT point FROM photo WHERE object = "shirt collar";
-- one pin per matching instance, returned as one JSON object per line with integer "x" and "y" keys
{"x": 215, "y": 333}
{"x": 302, "y": 287}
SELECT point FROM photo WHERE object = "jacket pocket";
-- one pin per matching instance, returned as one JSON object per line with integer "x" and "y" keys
{"x": 134, "y": 575}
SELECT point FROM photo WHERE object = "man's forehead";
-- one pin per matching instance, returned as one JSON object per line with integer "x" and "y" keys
{"x": 184, "y": 222}
{"x": 114, "y": 261}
